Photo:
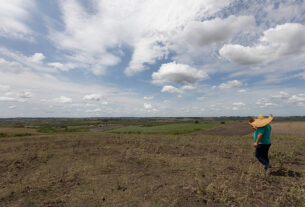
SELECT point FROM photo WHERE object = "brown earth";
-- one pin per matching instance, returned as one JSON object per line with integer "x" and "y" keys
{"x": 235, "y": 129}
{"x": 289, "y": 129}
{"x": 99, "y": 169}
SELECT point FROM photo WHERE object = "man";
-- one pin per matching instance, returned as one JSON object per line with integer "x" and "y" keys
{"x": 261, "y": 138}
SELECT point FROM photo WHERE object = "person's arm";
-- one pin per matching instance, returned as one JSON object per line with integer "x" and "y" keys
{"x": 259, "y": 137}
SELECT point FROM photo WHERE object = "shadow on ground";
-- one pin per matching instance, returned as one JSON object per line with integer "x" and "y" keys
{"x": 285, "y": 173}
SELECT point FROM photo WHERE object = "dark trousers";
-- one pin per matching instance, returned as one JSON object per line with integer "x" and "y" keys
{"x": 261, "y": 153}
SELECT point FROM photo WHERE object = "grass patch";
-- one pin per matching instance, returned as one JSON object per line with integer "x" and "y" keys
{"x": 180, "y": 128}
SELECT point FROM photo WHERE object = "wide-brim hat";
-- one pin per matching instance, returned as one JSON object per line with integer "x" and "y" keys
{"x": 260, "y": 121}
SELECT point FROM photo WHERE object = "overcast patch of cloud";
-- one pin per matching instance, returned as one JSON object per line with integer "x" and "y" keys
{"x": 283, "y": 40}
{"x": 214, "y": 31}
{"x": 63, "y": 99}
{"x": 25, "y": 94}
{"x": 10, "y": 66}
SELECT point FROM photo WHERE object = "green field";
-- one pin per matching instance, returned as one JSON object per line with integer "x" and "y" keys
{"x": 179, "y": 128}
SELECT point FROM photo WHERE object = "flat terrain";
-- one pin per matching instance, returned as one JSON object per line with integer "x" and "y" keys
{"x": 233, "y": 129}
{"x": 105, "y": 169}
{"x": 289, "y": 129}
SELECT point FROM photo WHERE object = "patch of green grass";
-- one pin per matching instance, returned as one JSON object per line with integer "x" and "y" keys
{"x": 180, "y": 128}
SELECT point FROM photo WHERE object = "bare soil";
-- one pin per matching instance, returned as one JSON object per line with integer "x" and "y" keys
{"x": 235, "y": 129}
{"x": 99, "y": 169}
{"x": 289, "y": 129}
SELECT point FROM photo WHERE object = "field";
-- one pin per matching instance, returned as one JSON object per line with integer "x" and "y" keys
{"x": 199, "y": 168}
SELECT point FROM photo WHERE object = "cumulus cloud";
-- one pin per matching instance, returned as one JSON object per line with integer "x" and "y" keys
{"x": 147, "y": 106}
{"x": 283, "y": 40}
{"x": 171, "y": 89}
{"x": 146, "y": 27}
{"x": 216, "y": 30}
{"x": 188, "y": 87}
{"x": 92, "y": 97}
{"x": 37, "y": 58}
{"x": 63, "y": 99}
{"x": 178, "y": 74}
{"x": 230, "y": 84}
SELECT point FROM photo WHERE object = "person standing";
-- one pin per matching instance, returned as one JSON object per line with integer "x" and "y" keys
{"x": 261, "y": 138}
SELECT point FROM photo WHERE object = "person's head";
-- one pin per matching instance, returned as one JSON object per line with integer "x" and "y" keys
{"x": 260, "y": 121}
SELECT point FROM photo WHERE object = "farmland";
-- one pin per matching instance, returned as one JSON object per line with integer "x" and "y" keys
{"x": 157, "y": 162}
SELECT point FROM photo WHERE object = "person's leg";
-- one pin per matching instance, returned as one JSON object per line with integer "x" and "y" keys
{"x": 260, "y": 154}
{"x": 265, "y": 149}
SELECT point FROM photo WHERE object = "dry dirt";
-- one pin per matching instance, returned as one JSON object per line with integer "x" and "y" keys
{"x": 235, "y": 129}
{"x": 289, "y": 129}
{"x": 99, "y": 169}
{"x": 286, "y": 129}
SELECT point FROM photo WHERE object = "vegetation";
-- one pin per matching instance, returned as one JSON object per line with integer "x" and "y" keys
{"x": 180, "y": 128}
{"x": 66, "y": 168}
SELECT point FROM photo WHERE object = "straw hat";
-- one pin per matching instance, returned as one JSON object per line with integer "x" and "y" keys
{"x": 260, "y": 121}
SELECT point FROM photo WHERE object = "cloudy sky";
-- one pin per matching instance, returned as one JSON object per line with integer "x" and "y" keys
{"x": 86, "y": 58}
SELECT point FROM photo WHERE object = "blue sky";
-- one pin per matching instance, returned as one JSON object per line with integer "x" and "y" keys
{"x": 112, "y": 58}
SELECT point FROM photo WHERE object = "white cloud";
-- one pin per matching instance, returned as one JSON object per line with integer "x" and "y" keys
{"x": 281, "y": 95}
{"x": 37, "y": 58}
{"x": 92, "y": 97}
{"x": 94, "y": 110}
{"x": 147, "y": 27}
{"x": 215, "y": 31}
{"x": 188, "y": 87}
{"x": 263, "y": 102}
{"x": 25, "y": 94}
{"x": 230, "y": 84}
{"x": 242, "y": 91}
{"x": 298, "y": 99}
{"x": 12, "y": 107}
{"x": 202, "y": 98}
{"x": 171, "y": 89}
{"x": 148, "y": 97}
{"x": 4, "y": 87}
{"x": 240, "y": 104}
{"x": 63, "y": 99}
{"x": 13, "y": 14}
{"x": 10, "y": 99}
{"x": 63, "y": 67}
{"x": 283, "y": 40}
{"x": 10, "y": 67}
{"x": 147, "y": 106}
{"x": 178, "y": 74}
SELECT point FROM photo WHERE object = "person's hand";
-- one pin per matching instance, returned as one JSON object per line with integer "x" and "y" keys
{"x": 255, "y": 144}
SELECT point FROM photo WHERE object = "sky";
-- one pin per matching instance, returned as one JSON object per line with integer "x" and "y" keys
{"x": 160, "y": 58}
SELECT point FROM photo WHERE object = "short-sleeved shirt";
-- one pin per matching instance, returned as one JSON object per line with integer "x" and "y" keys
{"x": 265, "y": 131}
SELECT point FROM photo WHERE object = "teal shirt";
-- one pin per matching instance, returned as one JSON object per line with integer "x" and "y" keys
{"x": 266, "y": 131}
